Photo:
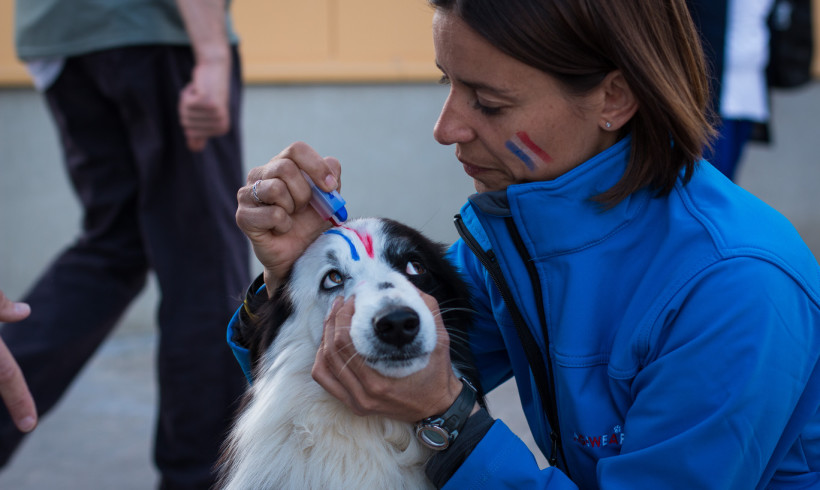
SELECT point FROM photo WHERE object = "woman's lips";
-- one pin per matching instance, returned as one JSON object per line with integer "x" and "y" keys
{"x": 472, "y": 170}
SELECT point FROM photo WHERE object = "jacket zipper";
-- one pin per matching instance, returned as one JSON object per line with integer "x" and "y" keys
{"x": 536, "y": 360}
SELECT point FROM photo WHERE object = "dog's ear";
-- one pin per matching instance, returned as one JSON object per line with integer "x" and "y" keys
{"x": 258, "y": 333}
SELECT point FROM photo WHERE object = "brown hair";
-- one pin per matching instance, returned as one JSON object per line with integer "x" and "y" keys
{"x": 652, "y": 42}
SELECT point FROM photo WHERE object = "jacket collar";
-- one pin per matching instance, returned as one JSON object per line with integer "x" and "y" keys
{"x": 559, "y": 216}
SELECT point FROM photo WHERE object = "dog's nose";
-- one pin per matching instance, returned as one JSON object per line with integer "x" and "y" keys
{"x": 397, "y": 327}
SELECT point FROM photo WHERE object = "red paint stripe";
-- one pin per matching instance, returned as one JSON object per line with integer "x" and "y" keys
{"x": 366, "y": 240}
{"x": 532, "y": 146}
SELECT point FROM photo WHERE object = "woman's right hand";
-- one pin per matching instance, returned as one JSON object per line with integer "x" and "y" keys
{"x": 283, "y": 224}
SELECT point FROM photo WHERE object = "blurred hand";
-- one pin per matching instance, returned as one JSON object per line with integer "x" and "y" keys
{"x": 13, "y": 388}
{"x": 365, "y": 391}
{"x": 282, "y": 226}
{"x": 204, "y": 104}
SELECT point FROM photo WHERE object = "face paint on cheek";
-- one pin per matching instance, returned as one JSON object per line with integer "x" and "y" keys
{"x": 528, "y": 152}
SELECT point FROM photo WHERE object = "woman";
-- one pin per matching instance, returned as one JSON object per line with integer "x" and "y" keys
{"x": 660, "y": 322}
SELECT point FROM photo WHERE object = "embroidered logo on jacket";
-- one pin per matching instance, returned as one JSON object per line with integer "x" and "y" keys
{"x": 614, "y": 437}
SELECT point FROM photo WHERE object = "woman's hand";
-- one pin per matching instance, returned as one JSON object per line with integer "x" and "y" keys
{"x": 277, "y": 219}
{"x": 341, "y": 372}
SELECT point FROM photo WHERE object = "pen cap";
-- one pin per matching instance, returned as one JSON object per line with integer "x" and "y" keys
{"x": 329, "y": 205}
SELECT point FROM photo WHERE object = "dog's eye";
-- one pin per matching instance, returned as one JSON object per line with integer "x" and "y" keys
{"x": 332, "y": 280}
{"x": 415, "y": 268}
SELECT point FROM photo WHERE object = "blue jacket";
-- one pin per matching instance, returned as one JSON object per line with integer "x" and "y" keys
{"x": 682, "y": 331}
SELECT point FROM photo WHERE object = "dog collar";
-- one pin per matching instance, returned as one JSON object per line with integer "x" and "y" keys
{"x": 242, "y": 354}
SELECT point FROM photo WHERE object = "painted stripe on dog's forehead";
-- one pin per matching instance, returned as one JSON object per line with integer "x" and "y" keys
{"x": 353, "y": 251}
{"x": 366, "y": 240}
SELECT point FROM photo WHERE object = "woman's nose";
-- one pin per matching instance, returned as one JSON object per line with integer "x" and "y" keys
{"x": 451, "y": 126}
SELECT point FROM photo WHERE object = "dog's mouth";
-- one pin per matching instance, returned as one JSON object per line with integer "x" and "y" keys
{"x": 398, "y": 364}
{"x": 393, "y": 356}
{"x": 396, "y": 357}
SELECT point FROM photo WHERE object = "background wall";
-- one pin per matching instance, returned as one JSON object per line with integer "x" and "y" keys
{"x": 320, "y": 41}
{"x": 815, "y": 5}
{"x": 308, "y": 40}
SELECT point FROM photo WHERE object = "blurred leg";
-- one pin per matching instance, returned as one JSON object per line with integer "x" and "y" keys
{"x": 80, "y": 297}
{"x": 187, "y": 206}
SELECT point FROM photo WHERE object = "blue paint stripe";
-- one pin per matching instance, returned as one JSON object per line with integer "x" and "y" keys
{"x": 353, "y": 251}
{"x": 520, "y": 154}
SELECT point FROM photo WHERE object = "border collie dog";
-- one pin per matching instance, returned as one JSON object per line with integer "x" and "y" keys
{"x": 291, "y": 433}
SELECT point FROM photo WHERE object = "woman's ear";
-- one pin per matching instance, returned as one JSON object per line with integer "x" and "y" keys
{"x": 620, "y": 103}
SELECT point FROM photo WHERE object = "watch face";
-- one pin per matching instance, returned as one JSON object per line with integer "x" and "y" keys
{"x": 434, "y": 437}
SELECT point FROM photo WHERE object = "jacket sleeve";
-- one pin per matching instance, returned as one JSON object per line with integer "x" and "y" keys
{"x": 502, "y": 460}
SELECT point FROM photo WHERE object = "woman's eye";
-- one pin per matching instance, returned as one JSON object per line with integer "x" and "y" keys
{"x": 486, "y": 110}
{"x": 414, "y": 268}
{"x": 332, "y": 280}
{"x": 477, "y": 105}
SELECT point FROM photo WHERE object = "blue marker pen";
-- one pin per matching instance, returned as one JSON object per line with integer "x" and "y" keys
{"x": 329, "y": 205}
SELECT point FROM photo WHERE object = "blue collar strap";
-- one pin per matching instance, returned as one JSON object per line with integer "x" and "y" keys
{"x": 242, "y": 354}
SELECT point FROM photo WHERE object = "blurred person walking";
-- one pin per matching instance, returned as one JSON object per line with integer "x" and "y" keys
{"x": 735, "y": 38}
{"x": 145, "y": 95}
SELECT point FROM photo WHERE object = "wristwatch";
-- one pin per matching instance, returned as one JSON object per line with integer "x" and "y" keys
{"x": 439, "y": 431}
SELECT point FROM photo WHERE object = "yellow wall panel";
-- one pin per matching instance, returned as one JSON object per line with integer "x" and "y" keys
{"x": 388, "y": 30}
{"x": 283, "y": 31}
{"x": 336, "y": 41}
{"x": 12, "y": 72}
{"x": 815, "y": 6}
{"x": 319, "y": 41}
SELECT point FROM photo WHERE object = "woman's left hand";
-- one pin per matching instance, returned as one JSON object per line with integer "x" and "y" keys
{"x": 365, "y": 391}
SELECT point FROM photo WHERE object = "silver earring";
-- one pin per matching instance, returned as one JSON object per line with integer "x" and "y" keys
{"x": 608, "y": 125}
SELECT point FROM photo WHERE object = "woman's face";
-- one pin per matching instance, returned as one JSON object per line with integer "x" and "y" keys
{"x": 510, "y": 122}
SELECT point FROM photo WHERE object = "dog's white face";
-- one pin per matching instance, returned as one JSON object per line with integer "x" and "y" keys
{"x": 392, "y": 329}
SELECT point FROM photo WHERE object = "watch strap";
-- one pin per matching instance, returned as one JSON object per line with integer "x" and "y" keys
{"x": 443, "y": 465}
{"x": 453, "y": 420}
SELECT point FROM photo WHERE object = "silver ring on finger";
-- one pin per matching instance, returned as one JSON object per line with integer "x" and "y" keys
{"x": 255, "y": 195}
